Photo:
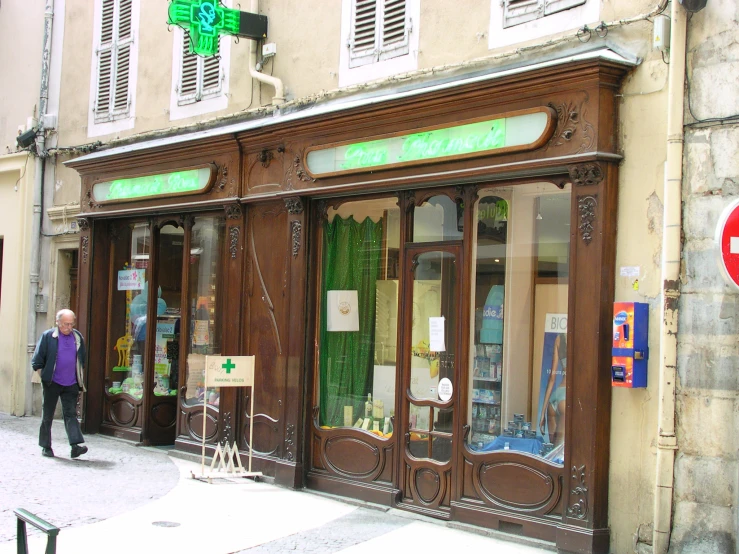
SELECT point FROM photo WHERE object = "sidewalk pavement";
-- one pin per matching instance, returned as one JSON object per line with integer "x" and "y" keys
{"x": 165, "y": 508}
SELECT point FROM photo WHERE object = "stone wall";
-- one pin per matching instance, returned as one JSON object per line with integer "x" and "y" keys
{"x": 705, "y": 509}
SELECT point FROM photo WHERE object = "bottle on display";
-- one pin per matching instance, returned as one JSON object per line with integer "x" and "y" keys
{"x": 368, "y": 410}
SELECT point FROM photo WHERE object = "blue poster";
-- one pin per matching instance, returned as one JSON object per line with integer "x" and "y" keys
{"x": 550, "y": 423}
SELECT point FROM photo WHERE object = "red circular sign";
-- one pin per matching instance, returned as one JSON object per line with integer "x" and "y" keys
{"x": 727, "y": 240}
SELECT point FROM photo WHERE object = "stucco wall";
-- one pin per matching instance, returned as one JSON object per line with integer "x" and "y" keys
{"x": 708, "y": 354}
{"x": 19, "y": 92}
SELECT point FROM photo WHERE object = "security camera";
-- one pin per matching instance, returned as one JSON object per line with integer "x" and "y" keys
{"x": 26, "y": 139}
{"x": 694, "y": 5}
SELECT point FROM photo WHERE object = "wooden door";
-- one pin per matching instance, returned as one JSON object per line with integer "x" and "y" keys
{"x": 430, "y": 360}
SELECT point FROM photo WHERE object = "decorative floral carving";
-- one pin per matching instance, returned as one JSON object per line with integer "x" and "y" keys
{"x": 300, "y": 170}
{"x": 85, "y": 242}
{"x": 265, "y": 157}
{"x": 571, "y": 124}
{"x": 83, "y": 223}
{"x": 222, "y": 177}
{"x": 227, "y": 430}
{"x": 586, "y": 174}
{"x": 233, "y": 244}
{"x": 233, "y": 211}
{"x": 586, "y": 207}
{"x": 579, "y": 508}
{"x": 294, "y": 205}
{"x": 296, "y": 227}
{"x": 289, "y": 442}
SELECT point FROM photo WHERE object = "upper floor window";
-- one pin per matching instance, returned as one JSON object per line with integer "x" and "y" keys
{"x": 380, "y": 39}
{"x": 114, "y": 64}
{"x": 199, "y": 84}
{"x": 516, "y": 21}
{"x": 200, "y": 77}
{"x": 114, "y": 54}
{"x": 380, "y": 31}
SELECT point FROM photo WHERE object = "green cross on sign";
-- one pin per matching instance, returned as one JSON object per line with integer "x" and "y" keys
{"x": 228, "y": 366}
{"x": 208, "y": 19}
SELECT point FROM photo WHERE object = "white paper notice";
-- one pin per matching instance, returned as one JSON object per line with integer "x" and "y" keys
{"x": 436, "y": 334}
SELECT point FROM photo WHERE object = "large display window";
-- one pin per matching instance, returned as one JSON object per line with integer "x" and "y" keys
{"x": 518, "y": 357}
{"x": 358, "y": 323}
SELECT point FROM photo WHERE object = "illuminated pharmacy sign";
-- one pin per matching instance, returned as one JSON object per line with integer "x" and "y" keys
{"x": 206, "y": 20}
{"x": 188, "y": 181}
{"x": 516, "y": 131}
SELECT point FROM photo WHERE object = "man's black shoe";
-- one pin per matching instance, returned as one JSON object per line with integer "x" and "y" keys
{"x": 48, "y": 452}
{"x": 78, "y": 450}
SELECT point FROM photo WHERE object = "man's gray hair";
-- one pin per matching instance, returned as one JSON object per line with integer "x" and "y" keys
{"x": 64, "y": 311}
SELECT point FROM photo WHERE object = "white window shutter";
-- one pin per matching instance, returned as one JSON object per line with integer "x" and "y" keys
{"x": 516, "y": 12}
{"x": 105, "y": 61}
{"x": 363, "y": 34}
{"x": 554, "y": 6}
{"x": 114, "y": 60}
{"x": 122, "y": 70}
{"x": 395, "y": 29}
{"x": 188, "y": 72}
{"x": 212, "y": 74}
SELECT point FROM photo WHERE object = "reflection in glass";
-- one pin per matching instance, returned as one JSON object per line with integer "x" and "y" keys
{"x": 437, "y": 219}
{"x": 124, "y": 370}
{"x": 434, "y": 442}
{"x": 517, "y": 395}
{"x": 167, "y": 334}
{"x": 358, "y": 324}
{"x": 204, "y": 297}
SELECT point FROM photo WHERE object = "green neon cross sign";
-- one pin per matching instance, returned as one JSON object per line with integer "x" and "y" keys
{"x": 228, "y": 366}
{"x": 208, "y": 19}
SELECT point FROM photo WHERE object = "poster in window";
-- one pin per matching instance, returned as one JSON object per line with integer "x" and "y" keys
{"x": 551, "y": 406}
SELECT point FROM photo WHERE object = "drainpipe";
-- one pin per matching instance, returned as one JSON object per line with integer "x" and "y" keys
{"x": 671, "y": 244}
{"x": 38, "y": 187}
{"x": 279, "y": 97}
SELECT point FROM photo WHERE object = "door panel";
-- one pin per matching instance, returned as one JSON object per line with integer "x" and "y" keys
{"x": 431, "y": 338}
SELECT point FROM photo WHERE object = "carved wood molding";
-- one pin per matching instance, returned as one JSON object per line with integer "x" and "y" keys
{"x": 572, "y": 125}
{"x": 296, "y": 231}
{"x": 227, "y": 430}
{"x": 586, "y": 207}
{"x": 294, "y": 205}
{"x": 222, "y": 176}
{"x": 84, "y": 244}
{"x": 579, "y": 508}
{"x": 83, "y": 223}
{"x": 296, "y": 169}
{"x": 233, "y": 211}
{"x": 265, "y": 294}
{"x": 289, "y": 442}
{"x": 233, "y": 241}
{"x": 586, "y": 174}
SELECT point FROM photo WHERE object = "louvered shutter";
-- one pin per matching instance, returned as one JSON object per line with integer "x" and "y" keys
{"x": 363, "y": 35}
{"x": 516, "y": 12}
{"x": 114, "y": 59}
{"x": 395, "y": 29}
{"x": 189, "y": 72}
{"x": 123, "y": 57}
{"x": 211, "y": 79}
{"x": 553, "y": 6}
{"x": 105, "y": 59}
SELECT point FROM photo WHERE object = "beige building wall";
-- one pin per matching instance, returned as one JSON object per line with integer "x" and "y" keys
{"x": 16, "y": 186}
{"x": 451, "y": 35}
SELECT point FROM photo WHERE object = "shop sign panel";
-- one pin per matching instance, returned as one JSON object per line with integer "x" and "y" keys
{"x": 229, "y": 371}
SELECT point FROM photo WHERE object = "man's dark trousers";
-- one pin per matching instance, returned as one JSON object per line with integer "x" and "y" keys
{"x": 52, "y": 392}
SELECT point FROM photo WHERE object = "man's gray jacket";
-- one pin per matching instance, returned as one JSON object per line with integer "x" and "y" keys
{"x": 44, "y": 357}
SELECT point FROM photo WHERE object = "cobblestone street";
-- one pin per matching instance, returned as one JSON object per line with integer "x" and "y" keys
{"x": 118, "y": 490}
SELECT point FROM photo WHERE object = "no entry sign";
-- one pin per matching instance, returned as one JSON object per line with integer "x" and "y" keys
{"x": 727, "y": 241}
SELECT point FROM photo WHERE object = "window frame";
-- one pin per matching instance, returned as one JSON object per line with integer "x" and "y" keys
{"x": 115, "y": 116}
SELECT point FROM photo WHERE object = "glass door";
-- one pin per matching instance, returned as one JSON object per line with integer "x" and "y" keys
{"x": 432, "y": 332}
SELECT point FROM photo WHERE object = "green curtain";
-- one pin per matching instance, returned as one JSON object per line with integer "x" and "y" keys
{"x": 351, "y": 261}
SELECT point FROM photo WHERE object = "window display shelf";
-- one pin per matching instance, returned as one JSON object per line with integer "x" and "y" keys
{"x": 488, "y": 379}
{"x": 488, "y": 402}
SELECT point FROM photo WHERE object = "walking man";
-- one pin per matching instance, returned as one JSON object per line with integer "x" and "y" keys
{"x": 60, "y": 355}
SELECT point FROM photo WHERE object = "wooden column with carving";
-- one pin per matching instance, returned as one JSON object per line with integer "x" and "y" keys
{"x": 584, "y": 526}
{"x": 91, "y": 407}
{"x": 228, "y": 417}
{"x": 289, "y": 469}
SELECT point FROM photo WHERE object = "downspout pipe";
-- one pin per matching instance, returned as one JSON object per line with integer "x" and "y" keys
{"x": 671, "y": 246}
{"x": 38, "y": 189}
{"x": 279, "y": 97}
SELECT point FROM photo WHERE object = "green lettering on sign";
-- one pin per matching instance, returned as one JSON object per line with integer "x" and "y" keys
{"x": 132, "y": 188}
{"x": 515, "y": 132}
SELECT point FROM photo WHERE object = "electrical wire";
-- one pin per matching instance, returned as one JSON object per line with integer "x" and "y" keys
{"x": 25, "y": 164}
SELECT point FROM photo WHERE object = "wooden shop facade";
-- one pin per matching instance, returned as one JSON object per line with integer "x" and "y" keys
{"x": 414, "y": 273}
